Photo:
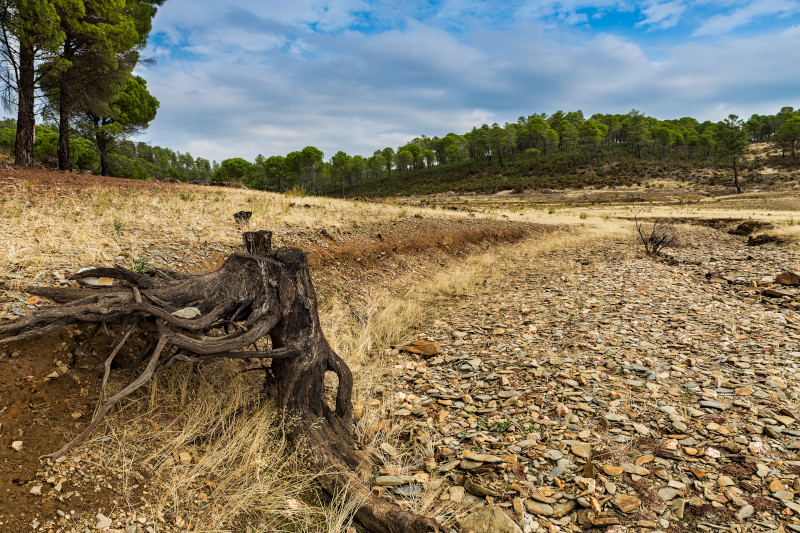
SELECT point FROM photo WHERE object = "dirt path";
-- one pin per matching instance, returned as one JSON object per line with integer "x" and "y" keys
{"x": 596, "y": 388}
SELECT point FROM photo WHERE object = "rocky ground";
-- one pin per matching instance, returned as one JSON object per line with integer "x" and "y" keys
{"x": 587, "y": 388}
{"x": 596, "y": 388}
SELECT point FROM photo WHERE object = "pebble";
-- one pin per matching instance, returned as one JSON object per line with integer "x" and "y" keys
{"x": 103, "y": 522}
{"x": 539, "y": 508}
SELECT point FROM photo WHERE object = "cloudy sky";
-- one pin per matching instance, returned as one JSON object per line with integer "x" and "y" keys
{"x": 240, "y": 78}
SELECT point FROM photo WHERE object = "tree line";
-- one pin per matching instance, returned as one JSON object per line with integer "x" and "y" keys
{"x": 562, "y": 140}
{"x": 566, "y": 137}
{"x": 72, "y": 62}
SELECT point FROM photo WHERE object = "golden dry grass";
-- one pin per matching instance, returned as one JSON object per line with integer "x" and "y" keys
{"x": 46, "y": 230}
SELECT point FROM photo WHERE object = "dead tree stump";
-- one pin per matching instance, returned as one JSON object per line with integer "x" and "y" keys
{"x": 256, "y": 305}
{"x": 257, "y": 242}
{"x": 243, "y": 217}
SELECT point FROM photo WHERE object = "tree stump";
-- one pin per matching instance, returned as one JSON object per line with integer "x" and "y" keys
{"x": 258, "y": 242}
{"x": 254, "y": 306}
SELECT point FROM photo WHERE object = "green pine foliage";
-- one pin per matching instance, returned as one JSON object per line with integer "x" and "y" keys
{"x": 562, "y": 150}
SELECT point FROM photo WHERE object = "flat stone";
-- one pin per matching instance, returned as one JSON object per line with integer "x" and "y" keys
{"x": 481, "y": 457}
{"x": 611, "y": 470}
{"x": 393, "y": 481}
{"x": 745, "y": 512}
{"x": 456, "y": 493}
{"x": 489, "y": 519}
{"x": 625, "y": 503}
{"x": 635, "y": 469}
{"x": 678, "y": 506}
{"x": 411, "y": 489}
{"x": 103, "y": 522}
{"x": 725, "y": 481}
{"x": 667, "y": 494}
{"x": 448, "y": 466}
{"x": 582, "y": 449}
{"x": 17, "y": 445}
{"x": 553, "y": 455}
{"x": 713, "y": 405}
{"x": 186, "y": 312}
{"x": 539, "y": 508}
{"x": 388, "y": 449}
{"x": 466, "y": 464}
{"x": 563, "y": 509}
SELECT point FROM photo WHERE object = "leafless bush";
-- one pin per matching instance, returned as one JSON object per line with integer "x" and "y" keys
{"x": 654, "y": 238}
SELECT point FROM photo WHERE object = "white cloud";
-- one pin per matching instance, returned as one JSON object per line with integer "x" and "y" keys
{"x": 662, "y": 14}
{"x": 249, "y": 79}
{"x": 726, "y": 22}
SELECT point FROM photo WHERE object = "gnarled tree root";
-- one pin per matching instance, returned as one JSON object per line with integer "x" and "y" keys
{"x": 256, "y": 305}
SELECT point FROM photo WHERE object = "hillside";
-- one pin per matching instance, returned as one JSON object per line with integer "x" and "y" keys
{"x": 579, "y": 384}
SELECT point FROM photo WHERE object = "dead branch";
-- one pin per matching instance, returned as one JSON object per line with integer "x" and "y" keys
{"x": 660, "y": 235}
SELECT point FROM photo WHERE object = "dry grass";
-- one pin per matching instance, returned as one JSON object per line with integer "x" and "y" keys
{"x": 59, "y": 229}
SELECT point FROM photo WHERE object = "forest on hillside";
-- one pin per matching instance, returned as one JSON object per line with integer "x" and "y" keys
{"x": 563, "y": 149}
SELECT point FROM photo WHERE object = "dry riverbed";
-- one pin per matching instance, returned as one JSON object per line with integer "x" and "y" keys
{"x": 593, "y": 387}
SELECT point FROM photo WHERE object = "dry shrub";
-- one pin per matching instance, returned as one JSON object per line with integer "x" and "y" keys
{"x": 655, "y": 238}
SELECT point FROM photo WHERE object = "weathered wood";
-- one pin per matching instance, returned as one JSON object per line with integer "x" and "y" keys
{"x": 242, "y": 217}
{"x": 265, "y": 294}
{"x": 258, "y": 242}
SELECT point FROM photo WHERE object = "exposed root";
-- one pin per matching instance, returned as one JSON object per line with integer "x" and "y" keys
{"x": 266, "y": 296}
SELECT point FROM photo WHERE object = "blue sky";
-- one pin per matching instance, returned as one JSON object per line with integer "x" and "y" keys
{"x": 241, "y": 78}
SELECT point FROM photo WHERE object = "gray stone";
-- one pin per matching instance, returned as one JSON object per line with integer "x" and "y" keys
{"x": 745, "y": 512}
{"x": 713, "y": 405}
{"x": 667, "y": 494}
{"x": 393, "y": 481}
{"x": 103, "y": 522}
{"x": 553, "y": 455}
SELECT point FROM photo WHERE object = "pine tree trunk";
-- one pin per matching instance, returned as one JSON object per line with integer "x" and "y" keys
{"x": 102, "y": 148}
{"x": 26, "y": 120}
{"x": 64, "y": 112}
